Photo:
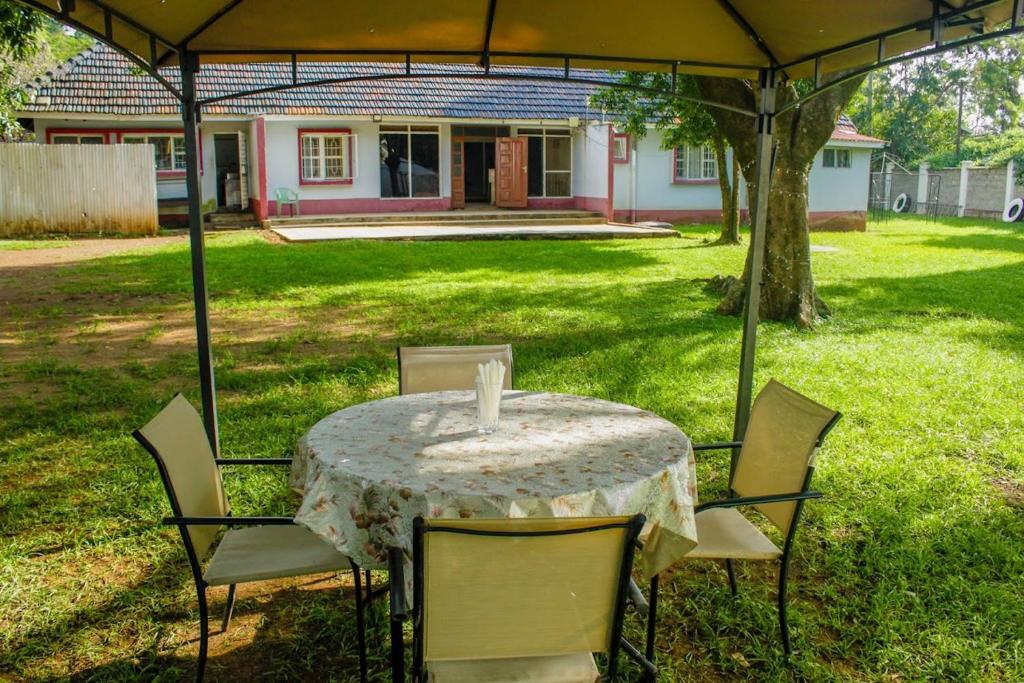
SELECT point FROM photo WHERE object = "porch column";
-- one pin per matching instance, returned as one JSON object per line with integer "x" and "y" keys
{"x": 961, "y": 199}
{"x": 755, "y": 257}
{"x": 190, "y": 118}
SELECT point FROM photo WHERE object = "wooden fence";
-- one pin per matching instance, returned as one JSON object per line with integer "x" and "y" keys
{"x": 77, "y": 189}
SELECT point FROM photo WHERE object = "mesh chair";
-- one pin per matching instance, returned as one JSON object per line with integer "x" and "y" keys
{"x": 502, "y": 600}
{"x": 772, "y": 475}
{"x": 269, "y": 548}
{"x": 448, "y": 368}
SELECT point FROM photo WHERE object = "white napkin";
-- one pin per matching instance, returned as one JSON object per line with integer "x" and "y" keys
{"x": 490, "y": 380}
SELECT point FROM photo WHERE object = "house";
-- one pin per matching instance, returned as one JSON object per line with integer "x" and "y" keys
{"x": 408, "y": 145}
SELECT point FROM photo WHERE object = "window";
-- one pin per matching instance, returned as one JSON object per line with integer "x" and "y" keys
{"x": 836, "y": 158}
{"x": 78, "y": 139}
{"x": 410, "y": 161}
{"x": 695, "y": 163}
{"x": 325, "y": 156}
{"x": 620, "y": 148}
{"x": 168, "y": 149}
{"x": 548, "y": 161}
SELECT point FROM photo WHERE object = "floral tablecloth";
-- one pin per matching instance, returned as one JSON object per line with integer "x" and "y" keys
{"x": 367, "y": 471}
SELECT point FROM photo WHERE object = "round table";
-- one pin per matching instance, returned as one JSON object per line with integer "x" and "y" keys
{"x": 367, "y": 471}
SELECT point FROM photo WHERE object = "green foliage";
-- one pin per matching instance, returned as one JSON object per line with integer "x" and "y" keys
{"x": 63, "y": 43}
{"x": 988, "y": 150}
{"x": 681, "y": 120}
{"x": 19, "y": 28}
{"x": 915, "y": 105}
{"x": 909, "y": 569}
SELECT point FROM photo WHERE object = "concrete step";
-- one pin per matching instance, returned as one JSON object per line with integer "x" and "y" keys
{"x": 230, "y": 221}
{"x": 440, "y": 217}
{"x": 502, "y": 222}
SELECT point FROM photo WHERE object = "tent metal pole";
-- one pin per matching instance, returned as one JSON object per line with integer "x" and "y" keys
{"x": 755, "y": 257}
{"x": 190, "y": 117}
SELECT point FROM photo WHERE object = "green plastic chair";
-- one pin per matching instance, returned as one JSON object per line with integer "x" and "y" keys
{"x": 287, "y": 196}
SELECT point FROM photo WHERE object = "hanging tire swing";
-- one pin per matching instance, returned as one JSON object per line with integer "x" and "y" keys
{"x": 902, "y": 203}
{"x": 1013, "y": 211}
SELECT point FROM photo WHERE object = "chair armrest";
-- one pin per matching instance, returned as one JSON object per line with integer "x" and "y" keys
{"x": 758, "y": 500}
{"x": 228, "y": 521}
{"x": 253, "y": 461}
{"x": 396, "y": 581}
{"x": 717, "y": 445}
{"x": 636, "y": 598}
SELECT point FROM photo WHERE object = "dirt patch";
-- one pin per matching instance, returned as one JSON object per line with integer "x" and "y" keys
{"x": 1013, "y": 491}
{"x": 79, "y": 250}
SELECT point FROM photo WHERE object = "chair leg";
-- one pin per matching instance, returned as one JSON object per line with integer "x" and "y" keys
{"x": 731, "y": 571}
{"x": 228, "y": 609}
{"x": 360, "y": 622}
{"x": 204, "y": 633}
{"x": 652, "y": 614}
{"x": 783, "y": 623}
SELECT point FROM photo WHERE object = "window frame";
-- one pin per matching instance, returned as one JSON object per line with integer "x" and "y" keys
{"x": 835, "y": 152}
{"x": 544, "y": 133}
{"x": 174, "y": 171}
{"x": 411, "y": 129}
{"x": 623, "y": 158}
{"x": 349, "y": 159}
{"x": 707, "y": 153}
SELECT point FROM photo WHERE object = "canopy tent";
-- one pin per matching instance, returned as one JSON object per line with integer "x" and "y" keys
{"x": 829, "y": 41}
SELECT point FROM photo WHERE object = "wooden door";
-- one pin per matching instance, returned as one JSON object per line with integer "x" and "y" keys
{"x": 458, "y": 168}
{"x": 510, "y": 172}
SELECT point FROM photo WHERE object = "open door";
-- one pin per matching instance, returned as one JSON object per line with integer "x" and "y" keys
{"x": 510, "y": 173}
{"x": 243, "y": 169}
{"x": 458, "y": 168}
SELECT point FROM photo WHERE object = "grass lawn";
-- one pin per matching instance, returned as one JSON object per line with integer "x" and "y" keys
{"x": 910, "y": 569}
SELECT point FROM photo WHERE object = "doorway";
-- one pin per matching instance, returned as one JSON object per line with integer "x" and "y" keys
{"x": 225, "y": 147}
{"x": 479, "y": 171}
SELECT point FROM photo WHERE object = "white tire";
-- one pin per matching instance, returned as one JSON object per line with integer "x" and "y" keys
{"x": 902, "y": 203}
{"x": 1013, "y": 211}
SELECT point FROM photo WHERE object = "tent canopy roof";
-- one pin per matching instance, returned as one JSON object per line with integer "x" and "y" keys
{"x": 717, "y": 37}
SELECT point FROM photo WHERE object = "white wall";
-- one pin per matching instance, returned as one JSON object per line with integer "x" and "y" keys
{"x": 655, "y": 188}
{"x": 841, "y": 189}
{"x": 830, "y": 189}
{"x": 283, "y": 159}
{"x": 590, "y": 161}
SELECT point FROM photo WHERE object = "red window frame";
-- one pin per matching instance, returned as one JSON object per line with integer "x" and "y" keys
{"x": 348, "y": 161}
{"x": 112, "y": 136}
{"x": 677, "y": 180}
{"x": 618, "y": 159}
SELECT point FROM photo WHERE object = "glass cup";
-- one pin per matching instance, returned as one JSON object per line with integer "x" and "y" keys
{"x": 488, "y": 406}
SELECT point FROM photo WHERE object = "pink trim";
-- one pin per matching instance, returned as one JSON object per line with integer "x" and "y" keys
{"x": 595, "y": 204}
{"x": 609, "y": 211}
{"x": 263, "y": 201}
{"x": 672, "y": 215}
{"x": 615, "y": 159}
{"x": 550, "y": 202}
{"x": 313, "y": 207}
{"x": 819, "y": 221}
{"x": 325, "y": 131}
{"x": 694, "y": 181}
{"x": 105, "y": 132}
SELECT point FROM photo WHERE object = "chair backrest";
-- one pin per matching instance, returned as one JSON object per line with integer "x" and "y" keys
{"x": 499, "y": 588}
{"x": 448, "y": 368}
{"x": 779, "y": 448}
{"x": 177, "y": 440}
{"x": 285, "y": 194}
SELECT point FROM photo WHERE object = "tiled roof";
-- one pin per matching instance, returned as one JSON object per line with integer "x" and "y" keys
{"x": 101, "y": 81}
{"x": 846, "y": 131}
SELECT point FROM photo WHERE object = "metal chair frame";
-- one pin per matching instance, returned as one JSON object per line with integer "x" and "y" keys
{"x": 400, "y": 611}
{"x": 183, "y": 522}
{"x": 804, "y": 494}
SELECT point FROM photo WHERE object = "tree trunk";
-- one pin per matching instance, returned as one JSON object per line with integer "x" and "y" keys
{"x": 730, "y": 214}
{"x": 787, "y": 289}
